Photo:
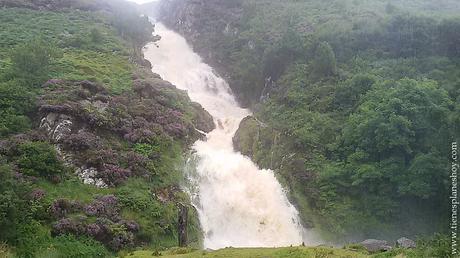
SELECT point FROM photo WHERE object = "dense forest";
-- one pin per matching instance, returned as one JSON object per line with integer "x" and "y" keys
{"x": 356, "y": 103}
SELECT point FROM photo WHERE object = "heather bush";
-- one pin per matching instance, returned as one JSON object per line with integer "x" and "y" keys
{"x": 99, "y": 157}
{"x": 37, "y": 194}
{"x": 113, "y": 175}
{"x": 140, "y": 135}
{"x": 121, "y": 240}
{"x": 105, "y": 206}
{"x": 68, "y": 226}
{"x": 137, "y": 163}
{"x": 95, "y": 231}
{"x": 60, "y": 208}
{"x": 82, "y": 140}
{"x": 130, "y": 225}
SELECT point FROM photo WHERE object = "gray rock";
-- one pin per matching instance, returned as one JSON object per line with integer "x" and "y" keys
{"x": 56, "y": 125}
{"x": 406, "y": 243}
{"x": 374, "y": 245}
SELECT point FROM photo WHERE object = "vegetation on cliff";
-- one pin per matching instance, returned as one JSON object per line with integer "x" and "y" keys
{"x": 91, "y": 141}
{"x": 356, "y": 102}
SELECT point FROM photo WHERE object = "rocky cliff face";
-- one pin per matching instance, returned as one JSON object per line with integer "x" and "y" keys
{"x": 191, "y": 17}
{"x": 205, "y": 24}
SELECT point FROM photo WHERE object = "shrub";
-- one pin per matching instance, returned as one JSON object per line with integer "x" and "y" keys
{"x": 104, "y": 206}
{"x": 15, "y": 101}
{"x": 68, "y": 226}
{"x": 61, "y": 207}
{"x": 96, "y": 36}
{"x": 113, "y": 175}
{"x": 82, "y": 140}
{"x": 37, "y": 194}
{"x": 324, "y": 63}
{"x": 14, "y": 206}
{"x": 31, "y": 61}
{"x": 39, "y": 159}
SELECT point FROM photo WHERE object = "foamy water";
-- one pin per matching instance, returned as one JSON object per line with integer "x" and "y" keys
{"x": 239, "y": 204}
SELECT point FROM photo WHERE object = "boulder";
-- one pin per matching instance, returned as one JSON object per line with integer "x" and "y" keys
{"x": 202, "y": 120}
{"x": 404, "y": 242}
{"x": 374, "y": 245}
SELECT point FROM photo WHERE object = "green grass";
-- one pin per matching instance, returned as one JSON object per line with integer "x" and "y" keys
{"x": 72, "y": 189}
{"x": 105, "y": 61}
{"x": 18, "y": 26}
{"x": 111, "y": 70}
{"x": 291, "y": 252}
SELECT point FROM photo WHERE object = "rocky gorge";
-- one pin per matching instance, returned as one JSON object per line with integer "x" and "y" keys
{"x": 309, "y": 91}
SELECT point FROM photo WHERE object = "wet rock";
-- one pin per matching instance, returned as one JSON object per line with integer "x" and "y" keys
{"x": 203, "y": 120}
{"x": 374, "y": 245}
{"x": 404, "y": 242}
{"x": 246, "y": 136}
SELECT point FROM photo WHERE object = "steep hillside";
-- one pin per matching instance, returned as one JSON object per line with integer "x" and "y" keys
{"x": 91, "y": 141}
{"x": 355, "y": 103}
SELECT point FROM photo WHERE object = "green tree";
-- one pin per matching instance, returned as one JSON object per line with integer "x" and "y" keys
{"x": 348, "y": 94}
{"x": 399, "y": 118}
{"x": 324, "y": 63}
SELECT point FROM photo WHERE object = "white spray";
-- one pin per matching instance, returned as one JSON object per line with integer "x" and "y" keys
{"x": 239, "y": 204}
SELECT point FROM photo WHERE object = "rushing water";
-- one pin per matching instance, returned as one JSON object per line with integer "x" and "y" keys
{"x": 239, "y": 204}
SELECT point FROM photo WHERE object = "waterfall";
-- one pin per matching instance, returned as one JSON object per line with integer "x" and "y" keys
{"x": 239, "y": 205}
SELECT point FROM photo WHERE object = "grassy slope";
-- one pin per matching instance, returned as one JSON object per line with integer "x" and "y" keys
{"x": 107, "y": 62}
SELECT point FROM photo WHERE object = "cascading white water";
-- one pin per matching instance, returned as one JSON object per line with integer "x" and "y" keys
{"x": 239, "y": 204}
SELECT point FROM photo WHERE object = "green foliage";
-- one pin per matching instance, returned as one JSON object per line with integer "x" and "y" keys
{"x": 14, "y": 207}
{"x": 348, "y": 94}
{"x": 112, "y": 71}
{"x": 103, "y": 47}
{"x": 324, "y": 63}
{"x": 136, "y": 29}
{"x": 39, "y": 159}
{"x": 147, "y": 150}
{"x": 15, "y": 101}
{"x": 362, "y": 107}
{"x": 32, "y": 238}
{"x": 96, "y": 36}
{"x": 31, "y": 62}
{"x": 73, "y": 247}
{"x": 157, "y": 220}
{"x": 398, "y": 119}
